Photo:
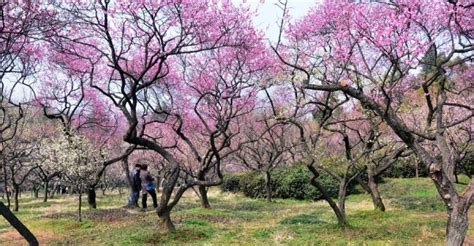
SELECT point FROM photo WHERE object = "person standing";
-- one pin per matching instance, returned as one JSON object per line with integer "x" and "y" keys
{"x": 148, "y": 186}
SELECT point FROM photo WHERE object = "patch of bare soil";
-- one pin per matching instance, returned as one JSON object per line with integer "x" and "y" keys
{"x": 14, "y": 238}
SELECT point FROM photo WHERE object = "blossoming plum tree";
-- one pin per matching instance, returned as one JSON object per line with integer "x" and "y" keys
{"x": 78, "y": 160}
{"x": 66, "y": 98}
{"x": 137, "y": 54}
{"x": 372, "y": 51}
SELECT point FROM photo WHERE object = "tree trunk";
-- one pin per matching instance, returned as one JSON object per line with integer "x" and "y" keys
{"x": 442, "y": 174}
{"x": 158, "y": 183}
{"x": 362, "y": 184}
{"x": 5, "y": 183}
{"x": 268, "y": 185}
{"x": 457, "y": 223}
{"x": 91, "y": 197}
{"x": 341, "y": 197}
{"x": 202, "y": 191}
{"x": 104, "y": 184}
{"x": 53, "y": 191}
{"x": 165, "y": 220}
{"x": 16, "y": 189}
{"x": 376, "y": 199}
{"x": 166, "y": 205}
{"x": 417, "y": 170}
{"x": 126, "y": 170}
{"x": 374, "y": 191}
{"x": 35, "y": 192}
{"x": 203, "y": 197}
{"x": 46, "y": 186}
{"x": 341, "y": 216}
{"x": 79, "y": 211}
{"x": 8, "y": 199}
{"x": 19, "y": 227}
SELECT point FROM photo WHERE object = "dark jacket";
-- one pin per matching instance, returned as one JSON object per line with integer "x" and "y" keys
{"x": 137, "y": 181}
{"x": 147, "y": 181}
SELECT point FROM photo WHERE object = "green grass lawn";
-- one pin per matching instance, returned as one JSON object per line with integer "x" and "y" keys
{"x": 415, "y": 216}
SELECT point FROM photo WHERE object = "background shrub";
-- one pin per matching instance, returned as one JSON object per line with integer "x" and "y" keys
{"x": 405, "y": 168}
{"x": 288, "y": 182}
{"x": 252, "y": 184}
{"x": 231, "y": 183}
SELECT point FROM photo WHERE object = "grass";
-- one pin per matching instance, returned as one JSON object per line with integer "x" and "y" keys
{"x": 415, "y": 216}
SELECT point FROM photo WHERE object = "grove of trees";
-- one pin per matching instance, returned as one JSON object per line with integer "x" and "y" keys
{"x": 195, "y": 90}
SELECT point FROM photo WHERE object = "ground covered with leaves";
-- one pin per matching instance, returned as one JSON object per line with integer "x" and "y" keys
{"x": 415, "y": 216}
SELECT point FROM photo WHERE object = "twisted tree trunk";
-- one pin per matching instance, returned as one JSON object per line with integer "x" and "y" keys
{"x": 340, "y": 214}
{"x": 374, "y": 191}
{"x": 203, "y": 196}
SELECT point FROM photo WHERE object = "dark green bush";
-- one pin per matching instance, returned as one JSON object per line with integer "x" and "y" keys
{"x": 289, "y": 182}
{"x": 405, "y": 169}
{"x": 231, "y": 183}
{"x": 294, "y": 183}
{"x": 252, "y": 184}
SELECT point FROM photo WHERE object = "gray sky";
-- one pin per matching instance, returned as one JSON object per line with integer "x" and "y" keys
{"x": 269, "y": 13}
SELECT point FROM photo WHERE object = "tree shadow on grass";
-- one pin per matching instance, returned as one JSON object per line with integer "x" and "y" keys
{"x": 245, "y": 206}
{"x": 303, "y": 219}
{"x": 104, "y": 215}
{"x": 212, "y": 218}
{"x": 185, "y": 205}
